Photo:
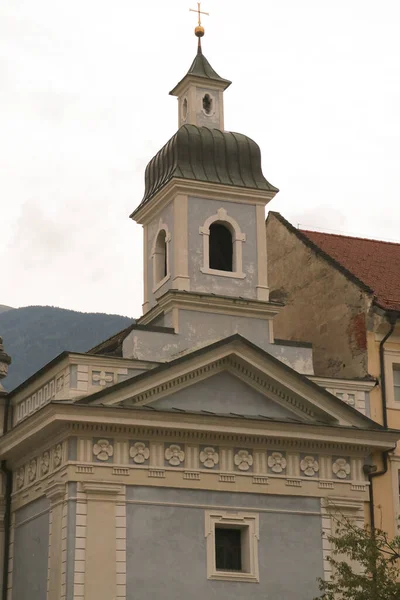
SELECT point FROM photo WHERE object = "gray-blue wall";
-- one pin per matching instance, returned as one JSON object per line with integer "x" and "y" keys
{"x": 199, "y": 209}
{"x": 31, "y": 539}
{"x": 224, "y": 393}
{"x": 166, "y": 546}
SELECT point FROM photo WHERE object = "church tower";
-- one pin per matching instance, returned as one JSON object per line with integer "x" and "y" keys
{"x": 203, "y": 210}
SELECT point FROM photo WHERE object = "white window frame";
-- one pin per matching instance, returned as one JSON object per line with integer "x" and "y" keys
{"x": 249, "y": 524}
{"x": 238, "y": 238}
{"x": 392, "y": 360}
{"x": 157, "y": 284}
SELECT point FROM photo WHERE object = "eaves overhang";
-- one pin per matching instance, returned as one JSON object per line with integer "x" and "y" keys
{"x": 55, "y": 418}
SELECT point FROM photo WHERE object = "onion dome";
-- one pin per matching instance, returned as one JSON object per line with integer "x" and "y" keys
{"x": 208, "y": 155}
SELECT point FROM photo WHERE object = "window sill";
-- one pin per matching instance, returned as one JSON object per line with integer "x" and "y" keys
{"x": 234, "y": 576}
{"x": 217, "y": 273}
{"x": 161, "y": 283}
{"x": 393, "y": 405}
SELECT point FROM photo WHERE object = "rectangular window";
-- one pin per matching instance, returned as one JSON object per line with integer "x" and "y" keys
{"x": 396, "y": 382}
{"x": 228, "y": 549}
{"x": 232, "y": 545}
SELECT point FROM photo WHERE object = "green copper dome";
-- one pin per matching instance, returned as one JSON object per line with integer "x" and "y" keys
{"x": 209, "y": 155}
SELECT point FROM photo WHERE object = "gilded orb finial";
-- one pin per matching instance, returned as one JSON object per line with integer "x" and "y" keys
{"x": 199, "y": 30}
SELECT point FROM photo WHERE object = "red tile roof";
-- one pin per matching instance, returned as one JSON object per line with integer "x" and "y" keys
{"x": 374, "y": 263}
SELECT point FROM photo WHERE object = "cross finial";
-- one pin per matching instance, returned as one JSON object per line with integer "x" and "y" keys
{"x": 199, "y": 30}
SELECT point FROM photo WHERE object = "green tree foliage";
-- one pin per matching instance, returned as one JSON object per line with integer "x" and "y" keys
{"x": 365, "y": 565}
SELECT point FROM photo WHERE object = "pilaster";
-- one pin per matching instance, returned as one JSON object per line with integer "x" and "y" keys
{"x": 105, "y": 532}
{"x": 262, "y": 283}
{"x": 55, "y": 493}
{"x": 181, "y": 269}
{"x": 146, "y": 303}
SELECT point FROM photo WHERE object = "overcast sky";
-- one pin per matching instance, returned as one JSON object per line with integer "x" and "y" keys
{"x": 84, "y": 105}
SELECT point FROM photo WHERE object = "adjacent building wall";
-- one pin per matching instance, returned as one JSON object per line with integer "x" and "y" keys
{"x": 322, "y": 305}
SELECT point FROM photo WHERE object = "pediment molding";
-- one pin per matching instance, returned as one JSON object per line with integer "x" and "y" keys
{"x": 238, "y": 367}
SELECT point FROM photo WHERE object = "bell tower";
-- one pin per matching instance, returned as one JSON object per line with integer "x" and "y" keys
{"x": 203, "y": 209}
{"x": 200, "y": 92}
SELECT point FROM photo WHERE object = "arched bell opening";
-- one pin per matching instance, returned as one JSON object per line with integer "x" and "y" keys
{"x": 220, "y": 247}
{"x": 160, "y": 257}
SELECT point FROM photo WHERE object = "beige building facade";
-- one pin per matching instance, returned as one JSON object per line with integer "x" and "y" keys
{"x": 343, "y": 295}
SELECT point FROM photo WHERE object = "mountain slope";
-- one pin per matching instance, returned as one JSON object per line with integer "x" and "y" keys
{"x": 4, "y": 308}
{"x": 34, "y": 335}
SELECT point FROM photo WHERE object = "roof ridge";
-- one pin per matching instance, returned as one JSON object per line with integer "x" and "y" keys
{"x": 351, "y": 237}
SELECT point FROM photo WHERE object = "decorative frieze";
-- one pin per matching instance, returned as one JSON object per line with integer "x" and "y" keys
{"x": 226, "y": 478}
{"x": 87, "y": 469}
{"x": 326, "y": 485}
{"x": 42, "y": 396}
{"x": 32, "y": 470}
{"x": 159, "y": 458}
{"x": 121, "y": 471}
{"x": 102, "y": 378}
{"x": 157, "y": 473}
{"x": 20, "y": 477}
{"x": 39, "y": 467}
{"x": 57, "y": 456}
{"x": 45, "y": 463}
{"x": 261, "y": 480}
{"x": 193, "y": 475}
{"x": 358, "y": 487}
{"x": 294, "y": 482}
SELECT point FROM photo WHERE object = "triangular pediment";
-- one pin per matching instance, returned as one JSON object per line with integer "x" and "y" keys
{"x": 224, "y": 394}
{"x": 233, "y": 376}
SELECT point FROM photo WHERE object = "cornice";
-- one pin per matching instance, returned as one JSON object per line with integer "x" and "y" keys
{"x": 57, "y": 418}
{"x": 211, "y": 303}
{"x": 188, "y": 187}
{"x": 345, "y": 384}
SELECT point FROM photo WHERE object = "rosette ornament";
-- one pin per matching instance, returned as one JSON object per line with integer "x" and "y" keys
{"x": 243, "y": 460}
{"x": 174, "y": 455}
{"x": 139, "y": 452}
{"x": 309, "y": 466}
{"x": 341, "y": 468}
{"x": 103, "y": 450}
{"x": 277, "y": 462}
{"x": 209, "y": 457}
